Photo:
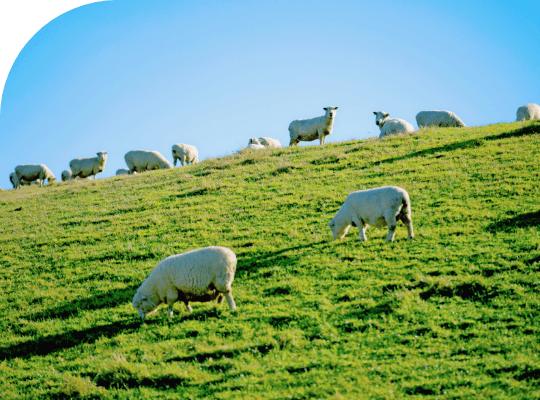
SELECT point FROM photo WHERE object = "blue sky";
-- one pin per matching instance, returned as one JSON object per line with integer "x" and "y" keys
{"x": 130, "y": 74}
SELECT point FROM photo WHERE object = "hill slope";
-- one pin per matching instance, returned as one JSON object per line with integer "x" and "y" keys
{"x": 453, "y": 314}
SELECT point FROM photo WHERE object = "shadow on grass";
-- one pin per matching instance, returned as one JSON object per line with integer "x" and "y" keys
{"x": 53, "y": 343}
{"x": 521, "y": 221}
{"x": 467, "y": 144}
{"x": 253, "y": 261}
{"x": 107, "y": 299}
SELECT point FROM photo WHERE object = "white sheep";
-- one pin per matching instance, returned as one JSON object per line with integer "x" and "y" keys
{"x": 255, "y": 147}
{"x": 18, "y": 183}
{"x": 198, "y": 275}
{"x": 123, "y": 171}
{"x": 382, "y": 206}
{"x": 66, "y": 175}
{"x": 186, "y": 153}
{"x": 32, "y": 172}
{"x": 306, "y": 130}
{"x": 144, "y": 160}
{"x": 441, "y": 119}
{"x": 528, "y": 112}
{"x": 84, "y": 167}
{"x": 266, "y": 142}
{"x": 391, "y": 126}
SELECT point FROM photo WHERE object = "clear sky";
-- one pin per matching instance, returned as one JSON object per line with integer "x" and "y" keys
{"x": 131, "y": 74}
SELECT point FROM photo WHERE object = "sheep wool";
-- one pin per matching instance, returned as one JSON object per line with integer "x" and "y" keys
{"x": 144, "y": 160}
{"x": 32, "y": 172}
{"x": 380, "y": 207}
{"x": 266, "y": 142}
{"x": 123, "y": 171}
{"x": 391, "y": 126}
{"x": 186, "y": 153}
{"x": 528, "y": 112}
{"x": 307, "y": 130}
{"x": 199, "y": 275}
{"x": 84, "y": 167}
{"x": 66, "y": 175}
{"x": 443, "y": 119}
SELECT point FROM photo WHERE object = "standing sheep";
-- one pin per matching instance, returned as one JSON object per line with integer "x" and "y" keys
{"x": 306, "y": 130}
{"x": 66, "y": 175}
{"x": 380, "y": 207}
{"x": 198, "y": 275}
{"x": 123, "y": 171}
{"x": 441, "y": 119}
{"x": 143, "y": 160}
{"x": 186, "y": 153}
{"x": 32, "y": 172}
{"x": 84, "y": 167}
{"x": 266, "y": 142}
{"x": 391, "y": 126}
{"x": 528, "y": 112}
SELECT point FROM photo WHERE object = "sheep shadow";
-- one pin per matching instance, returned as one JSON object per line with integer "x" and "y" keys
{"x": 467, "y": 144}
{"x": 50, "y": 344}
{"x": 511, "y": 224}
{"x": 108, "y": 299}
{"x": 252, "y": 262}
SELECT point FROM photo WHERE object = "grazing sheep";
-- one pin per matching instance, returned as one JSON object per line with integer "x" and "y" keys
{"x": 528, "y": 112}
{"x": 255, "y": 147}
{"x": 306, "y": 130}
{"x": 266, "y": 142}
{"x": 143, "y": 160}
{"x": 84, "y": 167}
{"x": 66, "y": 175}
{"x": 123, "y": 171}
{"x": 198, "y": 275}
{"x": 441, "y": 119}
{"x": 186, "y": 153}
{"x": 391, "y": 126}
{"x": 380, "y": 207}
{"x": 32, "y": 172}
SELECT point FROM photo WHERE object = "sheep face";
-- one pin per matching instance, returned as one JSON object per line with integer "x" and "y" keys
{"x": 254, "y": 141}
{"x": 380, "y": 118}
{"x": 144, "y": 305}
{"x": 330, "y": 112}
{"x": 339, "y": 228}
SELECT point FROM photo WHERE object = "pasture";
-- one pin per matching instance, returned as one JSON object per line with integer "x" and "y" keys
{"x": 450, "y": 315}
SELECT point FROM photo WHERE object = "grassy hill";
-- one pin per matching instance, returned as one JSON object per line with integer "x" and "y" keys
{"x": 453, "y": 314}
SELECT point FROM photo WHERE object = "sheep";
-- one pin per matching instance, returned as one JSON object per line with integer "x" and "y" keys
{"x": 442, "y": 119}
{"x": 84, "y": 167}
{"x": 382, "y": 206}
{"x": 528, "y": 112}
{"x": 199, "y": 275}
{"x": 306, "y": 130}
{"x": 123, "y": 171}
{"x": 185, "y": 153}
{"x": 32, "y": 172}
{"x": 255, "y": 147}
{"x": 266, "y": 142}
{"x": 143, "y": 160}
{"x": 391, "y": 126}
{"x": 66, "y": 175}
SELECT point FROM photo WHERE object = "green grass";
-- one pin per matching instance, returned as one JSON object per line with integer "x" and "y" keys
{"x": 450, "y": 315}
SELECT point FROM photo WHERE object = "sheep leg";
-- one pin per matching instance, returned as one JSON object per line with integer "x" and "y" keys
{"x": 230, "y": 299}
{"x": 220, "y": 299}
{"x": 392, "y": 223}
{"x": 362, "y": 229}
{"x": 408, "y": 223}
{"x": 175, "y": 160}
{"x": 188, "y": 307}
{"x": 171, "y": 299}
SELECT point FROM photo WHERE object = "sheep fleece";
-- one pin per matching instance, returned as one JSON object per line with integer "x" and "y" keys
{"x": 196, "y": 274}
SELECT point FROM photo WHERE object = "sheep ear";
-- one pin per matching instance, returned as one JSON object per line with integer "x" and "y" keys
{"x": 375, "y": 112}
{"x": 335, "y": 108}
{"x": 386, "y": 114}
{"x": 325, "y": 108}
